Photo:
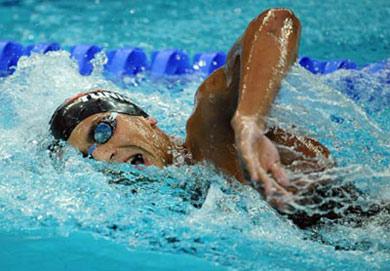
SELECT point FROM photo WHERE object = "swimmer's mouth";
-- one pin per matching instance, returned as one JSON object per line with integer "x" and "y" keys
{"x": 137, "y": 159}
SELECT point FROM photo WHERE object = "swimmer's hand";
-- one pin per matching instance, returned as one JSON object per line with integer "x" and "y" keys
{"x": 260, "y": 160}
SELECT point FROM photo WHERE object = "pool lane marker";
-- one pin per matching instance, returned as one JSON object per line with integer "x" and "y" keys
{"x": 169, "y": 62}
{"x": 10, "y": 52}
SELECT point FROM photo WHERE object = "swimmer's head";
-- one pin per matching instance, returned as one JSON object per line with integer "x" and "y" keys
{"x": 80, "y": 106}
{"x": 107, "y": 126}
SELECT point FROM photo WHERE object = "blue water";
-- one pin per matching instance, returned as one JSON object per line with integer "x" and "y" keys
{"x": 67, "y": 216}
{"x": 331, "y": 29}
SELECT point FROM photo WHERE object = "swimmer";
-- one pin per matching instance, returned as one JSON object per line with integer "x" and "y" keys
{"x": 227, "y": 127}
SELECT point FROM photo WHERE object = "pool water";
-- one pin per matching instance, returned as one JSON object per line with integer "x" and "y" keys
{"x": 331, "y": 29}
{"x": 69, "y": 214}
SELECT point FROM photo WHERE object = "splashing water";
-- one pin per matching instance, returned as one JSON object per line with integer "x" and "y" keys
{"x": 191, "y": 210}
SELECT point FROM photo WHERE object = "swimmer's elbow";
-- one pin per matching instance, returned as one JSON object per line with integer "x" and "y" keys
{"x": 281, "y": 14}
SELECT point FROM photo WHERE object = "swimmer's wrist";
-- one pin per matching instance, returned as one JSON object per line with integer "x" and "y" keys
{"x": 240, "y": 121}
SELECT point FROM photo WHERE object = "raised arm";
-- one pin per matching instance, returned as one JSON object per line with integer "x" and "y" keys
{"x": 266, "y": 51}
{"x": 228, "y": 124}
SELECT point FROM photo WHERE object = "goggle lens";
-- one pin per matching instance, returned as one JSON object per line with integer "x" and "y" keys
{"x": 103, "y": 132}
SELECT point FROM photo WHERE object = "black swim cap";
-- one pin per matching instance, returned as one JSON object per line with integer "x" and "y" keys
{"x": 79, "y": 107}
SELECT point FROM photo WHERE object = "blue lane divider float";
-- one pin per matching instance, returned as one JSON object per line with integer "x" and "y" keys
{"x": 169, "y": 62}
{"x": 10, "y": 52}
{"x": 208, "y": 62}
{"x": 41, "y": 48}
{"x": 126, "y": 61}
{"x": 325, "y": 67}
{"x": 130, "y": 61}
{"x": 83, "y": 54}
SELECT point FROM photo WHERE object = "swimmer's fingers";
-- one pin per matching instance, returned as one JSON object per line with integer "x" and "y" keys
{"x": 274, "y": 193}
{"x": 270, "y": 160}
{"x": 272, "y": 188}
{"x": 265, "y": 182}
{"x": 260, "y": 159}
{"x": 279, "y": 174}
{"x": 259, "y": 177}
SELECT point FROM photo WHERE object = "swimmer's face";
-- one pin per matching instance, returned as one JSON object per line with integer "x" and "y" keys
{"x": 135, "y": 140}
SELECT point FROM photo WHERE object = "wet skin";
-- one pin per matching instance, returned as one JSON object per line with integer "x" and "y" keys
{"x": 228, "y": 126}
{"x": 132, "y": 136}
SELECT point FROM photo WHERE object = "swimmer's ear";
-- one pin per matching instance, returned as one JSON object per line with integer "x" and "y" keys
{"x": 151, "y": 121}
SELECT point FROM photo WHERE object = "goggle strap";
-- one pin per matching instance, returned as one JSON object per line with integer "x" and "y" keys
{"x": 91, "y": 149}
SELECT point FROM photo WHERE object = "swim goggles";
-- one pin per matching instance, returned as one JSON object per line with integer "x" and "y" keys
{"x": 102, "y": 132}
{"x": 74, "y": 110}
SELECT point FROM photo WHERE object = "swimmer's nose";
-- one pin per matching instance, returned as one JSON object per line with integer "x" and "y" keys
{"x": 104, "y": 152}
